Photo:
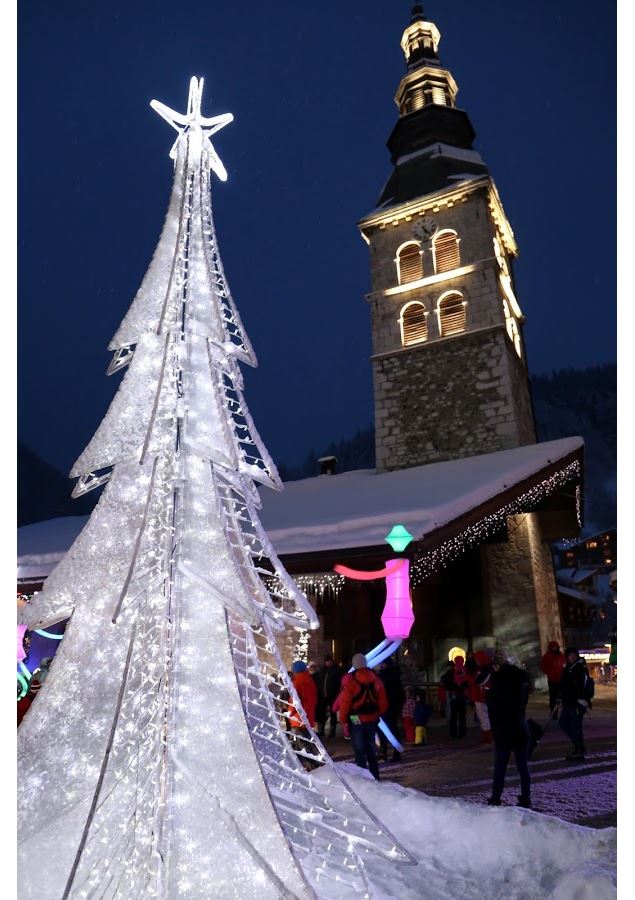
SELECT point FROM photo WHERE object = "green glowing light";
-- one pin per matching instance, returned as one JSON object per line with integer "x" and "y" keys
{"x": 24, "y": 684}
{"x": 49, "y": 634}
{"x": 399, "y": 537}
{"x": 25, "y": 670}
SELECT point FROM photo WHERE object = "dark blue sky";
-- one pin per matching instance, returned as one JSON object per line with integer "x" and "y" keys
{"x": 311, "y": 87}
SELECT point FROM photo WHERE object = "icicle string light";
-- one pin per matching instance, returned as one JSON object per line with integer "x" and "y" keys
{"x": 474, "y": 534}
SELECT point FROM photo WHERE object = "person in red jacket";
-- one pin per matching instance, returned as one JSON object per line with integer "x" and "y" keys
{"x": 362, "y": 701}
{"x": 479, "y": 689}
{"x": 307, "y": 692}
{"x": 552, "y": 664}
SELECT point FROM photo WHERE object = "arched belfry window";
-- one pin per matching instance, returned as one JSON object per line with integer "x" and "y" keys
{"x": 446, "y": 251}
{"x": 413, "y": 323}
{"x": 409, "y": 262}
{"x": 452, "y": 313}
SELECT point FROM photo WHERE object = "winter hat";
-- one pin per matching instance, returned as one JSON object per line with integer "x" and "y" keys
{"x": 483, "y": 658}
{"x": 359, "y": 661}
{"x": 298, "y": 666}
{"x": 571, "y": 650}
{"x": 554, "y": 645}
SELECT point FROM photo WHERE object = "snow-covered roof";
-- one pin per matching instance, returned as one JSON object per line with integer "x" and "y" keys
{"x": 575, "y": 576}
{"x": 357, "y": 509}
{"x": 588, "y": 596}
{"x": 354, "y": 509}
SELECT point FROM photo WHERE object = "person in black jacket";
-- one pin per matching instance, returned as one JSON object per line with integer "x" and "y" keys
{"x": 506, "y": 703}
{"x": 328, "y": 681}
{"x": 455, "y": 682}
{"x": 395, "y": 694}
{"x": 574, "y": 705}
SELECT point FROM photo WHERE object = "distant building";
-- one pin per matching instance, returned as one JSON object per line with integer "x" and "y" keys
{"x": 586, "y": 576}
{"x": 597, "y": 551}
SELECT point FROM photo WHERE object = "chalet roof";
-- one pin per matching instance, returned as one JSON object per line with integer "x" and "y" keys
{"x": 575, "y": 576}
{"x": 353, "y": 509}
{"x": 588, "y": 596}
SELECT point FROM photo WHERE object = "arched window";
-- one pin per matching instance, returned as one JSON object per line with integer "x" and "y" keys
{"x": 451, "y": 310}
{"x": 409, "y": 263}
{"x": 413, "y": 323}
{"x": 446, "y": 251}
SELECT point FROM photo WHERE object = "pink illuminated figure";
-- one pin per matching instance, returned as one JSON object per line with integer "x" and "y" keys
{"x": 20, "y": 648}
{"x": 397, "y": 617}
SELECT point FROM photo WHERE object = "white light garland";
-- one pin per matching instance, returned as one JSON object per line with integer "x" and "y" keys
{"x": 451, "y": 549}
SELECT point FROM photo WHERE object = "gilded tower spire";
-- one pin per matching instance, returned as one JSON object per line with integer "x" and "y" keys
{"x": 432, "y": 141}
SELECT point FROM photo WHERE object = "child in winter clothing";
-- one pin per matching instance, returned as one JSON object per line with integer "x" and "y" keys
{"x": 307, "y": 692}
{"x": 422, "y": 713}
{"x": 478, "y": 693}
{"x": 408, "y": 715}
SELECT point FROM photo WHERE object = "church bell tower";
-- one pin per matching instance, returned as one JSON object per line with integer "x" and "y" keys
{"x": 449, "y": 369}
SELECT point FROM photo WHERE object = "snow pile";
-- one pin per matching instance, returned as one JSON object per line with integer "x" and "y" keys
{"x": 471, "y": 851}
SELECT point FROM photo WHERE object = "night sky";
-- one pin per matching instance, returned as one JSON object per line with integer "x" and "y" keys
{"x": 311, "y": 87}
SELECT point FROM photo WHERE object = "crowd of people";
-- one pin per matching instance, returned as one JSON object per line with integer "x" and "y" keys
{"x": 370, "y": 704}
{"x": 364, "y": 700}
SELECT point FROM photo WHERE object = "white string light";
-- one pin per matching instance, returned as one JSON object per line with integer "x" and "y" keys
{"x": 476, "y": 533}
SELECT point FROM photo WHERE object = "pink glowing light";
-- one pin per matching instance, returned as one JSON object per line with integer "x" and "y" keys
{"x": 359, "y": 575}
{"x": 21, "y": 653}
{"x": 397, "y": 617}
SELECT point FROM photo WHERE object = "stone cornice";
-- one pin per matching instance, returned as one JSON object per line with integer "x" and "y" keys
{"x": 404, "y": 212}
{"x": 437, "y": 340}
{"x": 430, "y": 280}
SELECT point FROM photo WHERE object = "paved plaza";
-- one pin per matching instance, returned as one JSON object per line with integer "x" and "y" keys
{"x": 581, "y": 792}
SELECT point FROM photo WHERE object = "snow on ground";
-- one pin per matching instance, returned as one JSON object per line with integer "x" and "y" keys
{"x": 470, "y": 851}
{"x": 589, "y": 790}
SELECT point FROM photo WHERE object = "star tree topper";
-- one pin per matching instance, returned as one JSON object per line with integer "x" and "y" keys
{"x": 199, "y": 128}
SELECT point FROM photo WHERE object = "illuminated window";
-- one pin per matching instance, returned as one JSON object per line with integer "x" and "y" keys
{"x": 451, "y": 310}
{"x": 592, "y": 545}
{"x": 413, "y": 323}
{"x": 417, "y": 99}
{"x": 446, "y": 251}
{"x": 409, "y": 263}
{"x": 438, "y": 96}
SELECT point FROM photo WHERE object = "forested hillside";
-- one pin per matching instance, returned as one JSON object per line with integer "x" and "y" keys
{"x": 568, "y": 402}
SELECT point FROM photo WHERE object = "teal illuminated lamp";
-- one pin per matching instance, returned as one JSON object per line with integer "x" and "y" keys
{"x": 398, "y": 537}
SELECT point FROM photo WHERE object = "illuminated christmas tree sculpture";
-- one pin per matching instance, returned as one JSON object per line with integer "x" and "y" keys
{"x": 155, "y": 761}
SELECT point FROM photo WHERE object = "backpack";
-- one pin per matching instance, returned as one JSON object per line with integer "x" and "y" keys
{"x": 365, "y": 700}
{"x": 588, "y": 691}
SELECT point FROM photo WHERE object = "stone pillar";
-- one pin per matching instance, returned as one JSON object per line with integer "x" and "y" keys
{"x": 520, "y": 584}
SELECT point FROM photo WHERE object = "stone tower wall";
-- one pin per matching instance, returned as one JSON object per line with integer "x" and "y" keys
{"x": 452, "y": 396}
{"x": 521, "y": 587}
{"x": 456, "y": 401}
